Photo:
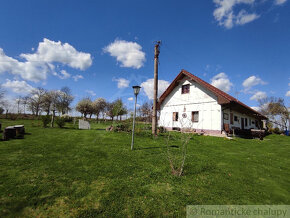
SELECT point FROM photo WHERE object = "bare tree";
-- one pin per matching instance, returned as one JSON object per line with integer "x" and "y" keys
{"x": 276, "y": 110}
{"x": 24, "y": 101}
{"x": 65, "y": 100}
{"x": 54, "y": 98}
{"x": 146, "y": 111}
{"x": 36, "y": 100}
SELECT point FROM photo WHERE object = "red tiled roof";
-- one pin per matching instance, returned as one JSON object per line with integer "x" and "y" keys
{"x": 223, "y": 98}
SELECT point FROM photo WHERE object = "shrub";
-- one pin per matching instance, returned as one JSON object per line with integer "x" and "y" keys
{"x": 161, "y": 129}
{"x": 122, "y": 127}
{"x": 45, "y": 120}
{"x": 60, "y": 122}
{"x": 1, "y": 110}
{"x": 276, "y": 130}
{"x": 67, "y": 118}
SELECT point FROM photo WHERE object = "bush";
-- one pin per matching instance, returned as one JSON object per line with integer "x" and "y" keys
{"x": 45, "y": 120}
{"x": 60, "y": 122}
{"x": 1, "y": 110}
{"x": 122, "y": 127}
{"x": 67, "y": 118}
{"x": 276, "y": 130}
{"x": 161, "y": 129}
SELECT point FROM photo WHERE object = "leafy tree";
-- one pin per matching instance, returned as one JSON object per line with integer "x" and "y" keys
{"x": 84, "y": 106}
{"x": 99, "y": 106}
{"x": 116, "y": 108}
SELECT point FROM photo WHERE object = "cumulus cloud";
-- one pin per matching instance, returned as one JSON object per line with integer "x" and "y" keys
{"x": 37, "y": 65}
{"x": 288, "y": 94}
{"x": 130, "y": 99}
{"x": 280, "y": 2}
{"x": 148, "y": 87}
{"x": 224, "y": 13}
{"x": 92, "y": 93}
{"x": 77, "y": 77}
{"x": 18, "y": 86}
{"x": 222, "y": 82}
{"x": 252, "y": 81}
{"x": 129, "y": 54}
{"x": 50, "y": 51}
{"x": 122, "y": 83}
{"x": 259, "y": 96}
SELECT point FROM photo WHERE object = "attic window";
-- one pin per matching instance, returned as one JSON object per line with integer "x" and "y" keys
{"x": 185, "y": 89}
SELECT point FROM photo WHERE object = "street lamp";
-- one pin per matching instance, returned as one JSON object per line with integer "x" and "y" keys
{"x": 136, "y": 92}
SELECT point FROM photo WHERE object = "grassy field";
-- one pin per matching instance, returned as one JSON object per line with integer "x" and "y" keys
{"x": 88, "y": 173}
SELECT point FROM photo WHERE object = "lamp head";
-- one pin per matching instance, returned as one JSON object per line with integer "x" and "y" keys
{"x": 136, "y": 89}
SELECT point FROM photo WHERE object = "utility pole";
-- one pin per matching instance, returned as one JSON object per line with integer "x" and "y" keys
{"x": 154, "y": 116}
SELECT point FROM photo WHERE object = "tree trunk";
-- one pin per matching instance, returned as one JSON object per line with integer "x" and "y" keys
{"x": 52, "y": 118}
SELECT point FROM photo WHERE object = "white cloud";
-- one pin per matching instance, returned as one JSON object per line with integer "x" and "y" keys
{"x": 148, "y": 87}
{"x": 252, "y": 81}
{"x": 222, "y": 82}
{"x": 63, "y": 74}
{"x": 77, "y": 77}
{"x": 130, "y": 99}
{"x": 18, "y": 86}
{"x": 288, "y": 94}
{"x": 256, "y": 108}
{"x": 259, "y": 95}
{"x": 224, "y": 13}
{"x": 129, "y": 54}
{"x": 122, "y": 83}
{"x": 280, "y": 2}
{"x": 92, "y": 93}
{"x": 37, "y": 65}
{"x": 50, "y": 51}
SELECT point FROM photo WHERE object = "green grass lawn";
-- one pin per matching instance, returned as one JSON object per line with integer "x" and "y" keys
{"x": 88, "y": 173}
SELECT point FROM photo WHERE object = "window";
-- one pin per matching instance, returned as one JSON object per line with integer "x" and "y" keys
{"x": 246, "y": 122}
{"x": 232, "y": 118}
{"x": 226, "y": 116}
{"x": 235, "y": 118}
{"x": 175, "y": 116}
{"x": 185, "y": 89}
{"x": 194, "y": 116}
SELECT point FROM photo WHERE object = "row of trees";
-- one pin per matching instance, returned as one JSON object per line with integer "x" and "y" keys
{"x": 100, "y": 106}
{"x": 117, "y": 109}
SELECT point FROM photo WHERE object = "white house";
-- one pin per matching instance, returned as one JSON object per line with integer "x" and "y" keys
{"x": 190, "y": 103}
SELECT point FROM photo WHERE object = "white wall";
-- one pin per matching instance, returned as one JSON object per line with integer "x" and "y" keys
{"x": 198, "y": 99}
{"x": 239, "y": 123}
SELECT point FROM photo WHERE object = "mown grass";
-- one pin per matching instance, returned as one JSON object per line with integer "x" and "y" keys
{"x": 87, "y": 173}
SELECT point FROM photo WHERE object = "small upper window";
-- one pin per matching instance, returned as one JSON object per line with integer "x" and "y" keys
{"x": 185, "y": 89}
{"x": 235, "y": 118}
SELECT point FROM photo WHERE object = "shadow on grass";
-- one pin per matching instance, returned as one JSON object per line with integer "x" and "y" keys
{"x": 171, "y": 146}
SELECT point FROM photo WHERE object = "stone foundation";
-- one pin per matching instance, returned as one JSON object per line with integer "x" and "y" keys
{"x": 199, "y": 131}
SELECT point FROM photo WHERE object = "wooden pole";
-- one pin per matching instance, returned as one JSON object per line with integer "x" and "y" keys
{"x": 154, "y": 116}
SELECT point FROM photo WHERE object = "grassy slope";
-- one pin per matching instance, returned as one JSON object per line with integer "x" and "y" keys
{"x": 70, "y": 172}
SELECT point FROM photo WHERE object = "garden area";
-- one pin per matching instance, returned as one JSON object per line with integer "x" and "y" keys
{"x": 67, "y": 172}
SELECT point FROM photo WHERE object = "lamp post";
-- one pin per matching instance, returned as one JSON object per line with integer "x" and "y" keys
{"x": 136, "y": 92}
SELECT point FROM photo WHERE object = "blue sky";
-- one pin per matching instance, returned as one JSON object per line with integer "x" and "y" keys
{"x": 102, "y": 48}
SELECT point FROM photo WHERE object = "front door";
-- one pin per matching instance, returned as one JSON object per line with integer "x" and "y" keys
{"x": 243, "y": 123}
